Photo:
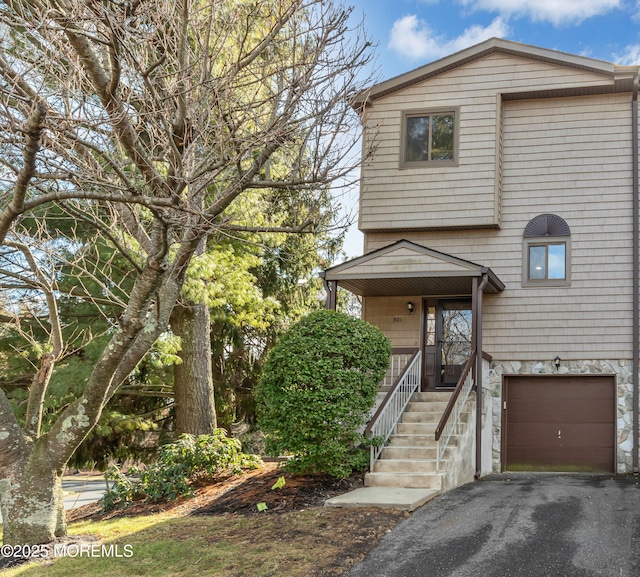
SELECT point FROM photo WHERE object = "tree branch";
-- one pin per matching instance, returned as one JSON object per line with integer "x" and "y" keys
{"x": 119, "y": 117}
{"x": 149, "y": 202}
{"x": 304, "y": 227}
{"x": 32, "y": 130}
{"x": 40, "y": 382}
{"x": 104, "y": 229}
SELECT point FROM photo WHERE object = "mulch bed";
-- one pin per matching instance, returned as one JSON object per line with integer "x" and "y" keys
{"x": 299, "y": 492}
{"x": 239, "y": 495}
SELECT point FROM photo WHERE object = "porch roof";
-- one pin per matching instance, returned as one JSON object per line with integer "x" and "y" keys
{"x": 405, "y": 268}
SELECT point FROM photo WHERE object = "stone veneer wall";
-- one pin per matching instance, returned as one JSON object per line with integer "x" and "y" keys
{"x": 621, "y": 368}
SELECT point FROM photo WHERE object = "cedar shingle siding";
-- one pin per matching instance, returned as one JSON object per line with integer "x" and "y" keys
{"x": 569, "y": 156}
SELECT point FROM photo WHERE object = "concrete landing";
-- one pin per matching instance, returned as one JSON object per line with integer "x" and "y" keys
{"x": 384, "y": 497}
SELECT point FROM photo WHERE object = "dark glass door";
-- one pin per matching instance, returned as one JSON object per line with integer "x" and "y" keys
{"x": 454, "y": 328}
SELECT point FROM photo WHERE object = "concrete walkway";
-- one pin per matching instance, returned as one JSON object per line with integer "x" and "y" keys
{"x": 384, "y": 497}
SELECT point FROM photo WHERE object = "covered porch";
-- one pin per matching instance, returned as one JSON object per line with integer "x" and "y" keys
{"x": 430, "y": 305}
{"x": 424, "y": 300}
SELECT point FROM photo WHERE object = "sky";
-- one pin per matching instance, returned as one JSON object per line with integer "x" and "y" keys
{"x": 410, "y": 33}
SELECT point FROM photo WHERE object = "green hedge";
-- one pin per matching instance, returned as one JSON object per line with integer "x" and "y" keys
{"x": 318, "y": 386}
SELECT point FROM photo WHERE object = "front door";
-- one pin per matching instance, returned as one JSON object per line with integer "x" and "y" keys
{"x": 446, "y": 342}
{"x": 454, "y": 340}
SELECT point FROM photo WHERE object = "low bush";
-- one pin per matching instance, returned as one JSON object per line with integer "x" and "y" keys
{"x": 317, "y": 389}
{"x": 180, "y": 464}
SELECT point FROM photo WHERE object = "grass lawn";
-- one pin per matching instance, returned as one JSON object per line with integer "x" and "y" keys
{"x": 287, "y": 540}
{"x": 208, "y": 546}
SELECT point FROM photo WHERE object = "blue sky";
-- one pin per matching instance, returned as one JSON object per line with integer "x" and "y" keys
{"x": 410, "y": 33}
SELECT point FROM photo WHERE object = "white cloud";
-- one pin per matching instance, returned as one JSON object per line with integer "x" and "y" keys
{"x": 415, "y": 39}
{"x": 630, "y": 56}
{"x": 554, "y": 11}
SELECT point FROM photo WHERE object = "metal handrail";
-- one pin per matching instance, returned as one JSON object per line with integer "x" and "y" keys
{"x": 400, "y": 358}
{"x": 455, "y": 406}
{"x": 386, "y": 418}
{"x": 400, "y": 361}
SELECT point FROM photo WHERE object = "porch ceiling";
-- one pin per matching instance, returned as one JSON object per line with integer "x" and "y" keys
{"x": 405, "y": 268}
{"x": 441, "y": 286}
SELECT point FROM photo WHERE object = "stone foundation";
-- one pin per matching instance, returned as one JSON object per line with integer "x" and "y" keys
{"x": 621, "y": 368}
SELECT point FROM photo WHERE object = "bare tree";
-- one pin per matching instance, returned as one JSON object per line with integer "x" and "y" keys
{"x": 150, "y": 120}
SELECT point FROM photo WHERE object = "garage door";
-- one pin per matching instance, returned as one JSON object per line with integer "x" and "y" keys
{"x": 563, "y": 423}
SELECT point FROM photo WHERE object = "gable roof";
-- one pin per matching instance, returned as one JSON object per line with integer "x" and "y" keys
{"x": 495, "y": 46}
{"x": 407, "y": 268}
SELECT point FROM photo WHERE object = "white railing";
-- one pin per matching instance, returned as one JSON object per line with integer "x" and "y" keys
{"x": 389, "y": 412}
{"x": 449, "y": 423}
{"x": 399, "y": 362}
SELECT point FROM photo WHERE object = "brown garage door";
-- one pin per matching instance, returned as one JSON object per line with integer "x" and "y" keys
{"x": 563, "y": 423}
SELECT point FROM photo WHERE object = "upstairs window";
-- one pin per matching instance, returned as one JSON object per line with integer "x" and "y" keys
{"x": 429, "y": 138}
{"x": 546, "y": 251}
{"x": 548, "y": 261}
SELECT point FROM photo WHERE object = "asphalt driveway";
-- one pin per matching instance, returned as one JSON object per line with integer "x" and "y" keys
{"x": 520, "y": 525}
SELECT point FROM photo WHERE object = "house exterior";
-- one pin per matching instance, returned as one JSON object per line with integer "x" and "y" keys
{"x": 500, "y": 212}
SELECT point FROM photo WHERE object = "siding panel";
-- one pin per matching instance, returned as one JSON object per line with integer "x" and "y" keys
{"x": 577, "y": 170}
{"x": 468, "y": 194}
{"x": 390, "y": 315}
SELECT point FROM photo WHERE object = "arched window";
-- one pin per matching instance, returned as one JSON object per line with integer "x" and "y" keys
{"x": 547, "y": 249}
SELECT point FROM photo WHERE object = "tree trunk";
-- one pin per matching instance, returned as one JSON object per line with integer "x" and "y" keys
{"x": 193, "y": 383}
{"x": 32, "y": 503}
{"x": 31, "y": 470}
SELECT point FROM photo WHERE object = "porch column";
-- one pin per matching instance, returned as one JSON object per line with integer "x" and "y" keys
{"x": 331, "y": 286}
{"x": 477, "y": 331}
{"x": 474, "y": 321}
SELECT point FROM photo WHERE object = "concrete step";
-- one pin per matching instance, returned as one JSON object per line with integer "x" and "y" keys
{"x": 424, "y": 452}
{"x": 420, "y": 417}
{"x": 407, "y": 466}
{"x": 413, "y": 440}
{"x": 408, "y": 480}
{"x": 379, "y": 398}
{"x": 431, "y": 396}
{"x": 416, "y": 428}
{"x": 409, "y": 459}
{"x": 426, "y": 406}
{"x": 427, "y": 418}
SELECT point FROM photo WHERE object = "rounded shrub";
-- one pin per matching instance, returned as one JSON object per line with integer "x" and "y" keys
{"x": 317, "y": 389}
{"x": 180, "y": 464}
